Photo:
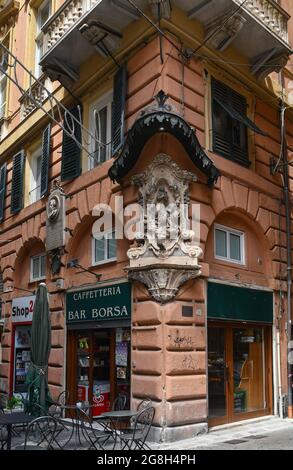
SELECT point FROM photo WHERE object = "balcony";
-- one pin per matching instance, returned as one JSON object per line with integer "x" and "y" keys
{"x": 258, "y": 30}
{"x": 81, "y": 28}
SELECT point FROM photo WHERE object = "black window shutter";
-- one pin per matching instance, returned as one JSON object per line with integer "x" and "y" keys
{"x": 3, "y": 172}
{"x": 46, "y": 150}
{"x": 17, "y": 182}
{"x": 229, "y": 136}
{"x": 71, "y": 151}
{"x": 118, "y": 108}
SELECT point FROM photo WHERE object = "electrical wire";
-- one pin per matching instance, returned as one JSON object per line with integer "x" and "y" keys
{"x": 214, "y": 33}
{"x": 283, "y": 110}
{"x": 160, "y": 31}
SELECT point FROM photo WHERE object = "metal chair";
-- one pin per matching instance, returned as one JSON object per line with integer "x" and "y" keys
{"x": 118, "y": 405}
{"x": 63, "y": 397}
{"x": 135, "y": 439}
{"x": 144, "y": 404}
{"x": 3, "y": 437}
{"x": 95, "y": 437}
{"x": 57, "y": 408}
{"x": 40, "y": 434}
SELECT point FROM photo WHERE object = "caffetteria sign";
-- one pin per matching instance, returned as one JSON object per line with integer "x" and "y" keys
{"x": 111, "y": 302}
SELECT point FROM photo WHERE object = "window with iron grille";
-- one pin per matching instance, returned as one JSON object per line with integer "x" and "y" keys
{"x": 230, "y": 124}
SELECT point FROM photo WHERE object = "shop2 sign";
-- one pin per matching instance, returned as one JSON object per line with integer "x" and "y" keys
{"x": 22, "y": 309}
{"x": 111, "y": 302}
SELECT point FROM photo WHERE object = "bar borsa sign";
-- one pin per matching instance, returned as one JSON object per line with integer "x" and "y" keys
{"x": 111, "y": 302}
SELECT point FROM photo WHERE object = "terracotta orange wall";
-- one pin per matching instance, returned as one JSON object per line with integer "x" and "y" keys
{"x": 255, "y": 194}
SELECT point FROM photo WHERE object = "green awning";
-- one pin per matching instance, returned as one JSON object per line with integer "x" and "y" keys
{"x": 227, "y": 302}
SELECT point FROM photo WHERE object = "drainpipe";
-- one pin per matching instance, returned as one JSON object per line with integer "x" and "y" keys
{"x": 287, "y": 201}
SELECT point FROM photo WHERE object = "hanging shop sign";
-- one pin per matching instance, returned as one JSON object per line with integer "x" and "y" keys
{"x": 22, "y": 309}
{"x": 111, "y": 302}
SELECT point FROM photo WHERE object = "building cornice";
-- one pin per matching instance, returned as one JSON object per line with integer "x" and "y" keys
{"x": 8, "y": 13}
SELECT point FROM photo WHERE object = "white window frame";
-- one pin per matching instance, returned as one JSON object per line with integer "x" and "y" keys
{"x": 40, "y": 36}
{"x": 3, "y": 92}
{"x": 3, "y": 87}
{"x": 229, "y": 231}
{"x": 105, "y": 260}
{"x": 98, "y": 105}
{"x": 33, "y": 182}
{"x": 34, "y": 279}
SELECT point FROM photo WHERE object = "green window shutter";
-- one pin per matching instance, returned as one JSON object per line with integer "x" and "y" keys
{"x": 118, "y": 109}
{"x": 46, "y": 150}
{"x": 229, "y": 135}
{"x": 3, "y": 172}
{"x": 17, "y": 182}
{"x": 71, "y": 152}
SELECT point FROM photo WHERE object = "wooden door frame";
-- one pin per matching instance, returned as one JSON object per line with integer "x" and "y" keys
{"x": 230, "y": 416}
{"x": 71, "y": 373}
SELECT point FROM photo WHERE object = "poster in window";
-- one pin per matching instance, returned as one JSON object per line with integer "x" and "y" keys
{"x": 121, "y": 372}
{"x": 121, "y": 354}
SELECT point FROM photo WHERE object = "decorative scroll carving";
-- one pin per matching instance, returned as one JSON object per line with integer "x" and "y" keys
{"x": 164, "y": 254}
{"x": 220, "y": 38}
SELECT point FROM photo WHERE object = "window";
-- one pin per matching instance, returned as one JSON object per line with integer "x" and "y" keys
{"x": 230, "y": 124}
{"x": 229, "y": 244}
{"x": 100, "y": 126}
{"x": 104, "y": 249}
{"x": 35, "y": 182}
{"x": 43, "y": 13}
{"x": 3, "y": 81}
{"x": 38, "y": 267}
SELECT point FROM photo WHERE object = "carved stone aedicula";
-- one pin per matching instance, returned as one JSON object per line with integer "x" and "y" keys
{"x": 164, "y": 256}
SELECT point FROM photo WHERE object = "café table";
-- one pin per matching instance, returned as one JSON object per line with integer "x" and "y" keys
{"x": 70, "y": 411}
{"x": 118, "y": 419}
{"x": 9, "y": 419}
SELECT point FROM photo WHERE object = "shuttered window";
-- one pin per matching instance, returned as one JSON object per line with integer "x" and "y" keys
{"x": 3, "y": 171}
{"x": 118, "y": 109}
{"x": 17, "y": 182}
{"x": 229, "y": 134}
{"x": 71, "y": 151}
{"x": 46, "y": 150}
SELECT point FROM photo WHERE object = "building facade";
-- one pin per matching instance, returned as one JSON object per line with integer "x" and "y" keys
{"x": 175, "y": 103}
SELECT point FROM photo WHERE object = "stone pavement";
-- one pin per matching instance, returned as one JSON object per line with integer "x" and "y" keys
{"x": 261, "y": 433}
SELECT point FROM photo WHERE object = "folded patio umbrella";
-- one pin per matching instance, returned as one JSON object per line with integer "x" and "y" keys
{"x": 38, "y": 397}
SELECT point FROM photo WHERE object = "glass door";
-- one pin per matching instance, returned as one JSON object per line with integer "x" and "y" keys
{"x": 239, "y": 372}
{"x": 249, "y": 370}
{"x": 217, "y": 375}
{"x": 98, "y": 365}
{"x": 83, "y": 344}
{"x": 101, "y": 372}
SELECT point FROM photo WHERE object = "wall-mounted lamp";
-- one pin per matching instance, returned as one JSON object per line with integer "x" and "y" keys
{"x": 73, "y": 263}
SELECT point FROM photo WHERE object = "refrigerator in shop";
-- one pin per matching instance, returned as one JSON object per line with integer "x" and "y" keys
{"x": 22, "y": 356}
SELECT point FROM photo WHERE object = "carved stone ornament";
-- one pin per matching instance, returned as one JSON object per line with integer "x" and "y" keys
{"x": 55, "y": 224}
{"x": 54, "y": 207}
{"x": 164, "y": 254}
